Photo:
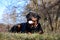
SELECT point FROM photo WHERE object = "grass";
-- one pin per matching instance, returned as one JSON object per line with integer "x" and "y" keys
{"x": 24, "y": 36}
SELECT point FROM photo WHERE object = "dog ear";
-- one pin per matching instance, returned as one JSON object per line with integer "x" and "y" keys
{"x": 29, "y": 15}
{"x": 39, "y": 17}
{"x": 32, "y": 14}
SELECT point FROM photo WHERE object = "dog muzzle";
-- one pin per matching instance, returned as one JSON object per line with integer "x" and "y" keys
{"x": 30, "y": 22}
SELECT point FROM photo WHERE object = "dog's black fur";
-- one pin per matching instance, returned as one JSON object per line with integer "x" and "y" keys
{"x": 25, "y": 27}
{"x": 15, "y": 28}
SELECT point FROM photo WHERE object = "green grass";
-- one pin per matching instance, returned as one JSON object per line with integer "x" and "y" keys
{"x": 24, "y": 36}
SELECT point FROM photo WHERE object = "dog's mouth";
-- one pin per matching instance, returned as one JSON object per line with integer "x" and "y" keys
{"x": 30, "y": 22}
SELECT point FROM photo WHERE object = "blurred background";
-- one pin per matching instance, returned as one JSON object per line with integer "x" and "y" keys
{"x": 14, "y": 11}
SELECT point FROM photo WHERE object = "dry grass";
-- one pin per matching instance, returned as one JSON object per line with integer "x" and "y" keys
{"x": 24, "y": 36}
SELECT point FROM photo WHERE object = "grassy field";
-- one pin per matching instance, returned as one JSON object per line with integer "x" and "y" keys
{"x": 24, "y": 36}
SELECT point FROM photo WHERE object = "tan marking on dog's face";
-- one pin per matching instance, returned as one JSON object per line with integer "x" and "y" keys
{"x": 19, "y": 26}
{"x": 34, "y": 20}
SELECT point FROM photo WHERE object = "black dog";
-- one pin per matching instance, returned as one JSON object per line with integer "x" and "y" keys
{"x": 31, "y": 26}
{"x": 16, "y": 28}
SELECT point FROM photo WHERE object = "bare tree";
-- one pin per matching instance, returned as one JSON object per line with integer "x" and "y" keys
{"x": 46, "y": 10}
